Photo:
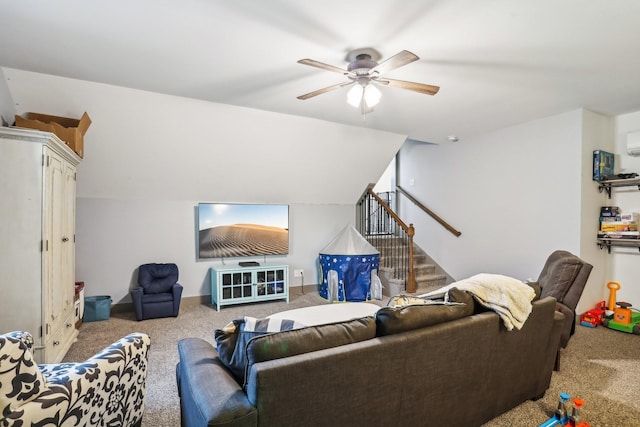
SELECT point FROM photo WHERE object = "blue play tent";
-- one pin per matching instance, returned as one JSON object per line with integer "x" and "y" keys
{"x": 349, "y": 268}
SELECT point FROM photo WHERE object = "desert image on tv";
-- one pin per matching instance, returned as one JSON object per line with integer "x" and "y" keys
{"x": 239, "y": 240}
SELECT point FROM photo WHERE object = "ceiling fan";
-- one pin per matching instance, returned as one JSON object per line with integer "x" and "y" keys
{"x": 364, "y": 72}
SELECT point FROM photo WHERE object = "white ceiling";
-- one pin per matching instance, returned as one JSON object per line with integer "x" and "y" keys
{"x": 498, "y": 62}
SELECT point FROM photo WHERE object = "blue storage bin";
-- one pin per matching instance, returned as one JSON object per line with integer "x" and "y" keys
{"x": 97, "y": 308}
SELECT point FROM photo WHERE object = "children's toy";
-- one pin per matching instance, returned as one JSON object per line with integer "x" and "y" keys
{"x": 576, "y": 418}
{"x": 594, "y": 317}
{"x": 619, "y": 315}
{"x": 613, "y": 288}
{"x": 624, "y": 319}
{"x": 562, "y": 418}
{"x": 622, "y": 313}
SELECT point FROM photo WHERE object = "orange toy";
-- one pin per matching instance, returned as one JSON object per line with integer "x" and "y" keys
{"x": 622, "y": 314}
{"x": 613, "y": 288}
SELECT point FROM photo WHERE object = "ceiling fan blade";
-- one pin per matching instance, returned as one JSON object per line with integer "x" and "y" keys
{"x": 398, "y": 60}
{"x": 324, "y": 90}
{"x": 322, "y": 66}
{"x": 416, "y": 87}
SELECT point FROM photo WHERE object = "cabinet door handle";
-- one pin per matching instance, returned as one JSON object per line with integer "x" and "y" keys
{"x": 56, "y": 342}
{"x": 69, "y": 325}
{"x": 65, "y": 239}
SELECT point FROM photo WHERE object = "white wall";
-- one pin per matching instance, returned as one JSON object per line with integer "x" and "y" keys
{"x": 516, "y": 195}
{"x": 115, "y": 236}
{"x": 149, "y": 145}
{"x": 625, "y": 262}
{"x": 7, "y": 107}
{"x": 387, "y": 181}
{"x": 150, "y": 158}
{"x": 597, "y": 133}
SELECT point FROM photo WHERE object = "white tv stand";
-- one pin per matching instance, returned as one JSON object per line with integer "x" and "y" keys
{"x": 235, "y": 285}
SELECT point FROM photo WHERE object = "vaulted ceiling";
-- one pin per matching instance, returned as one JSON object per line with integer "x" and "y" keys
{"x": 498, "y": 62}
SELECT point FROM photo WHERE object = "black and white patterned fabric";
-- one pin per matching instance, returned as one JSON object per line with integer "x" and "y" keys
{"x": 106, "y": 390}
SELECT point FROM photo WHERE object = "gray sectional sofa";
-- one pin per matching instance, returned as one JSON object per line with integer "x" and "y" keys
{"x": 442, "y": 365}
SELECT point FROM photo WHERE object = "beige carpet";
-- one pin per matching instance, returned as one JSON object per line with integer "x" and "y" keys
{"x": 599, "y": 365}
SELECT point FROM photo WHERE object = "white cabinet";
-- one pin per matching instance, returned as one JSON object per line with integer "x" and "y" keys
{"x": 37, "y": 264}
{"x": 235, "y": 284}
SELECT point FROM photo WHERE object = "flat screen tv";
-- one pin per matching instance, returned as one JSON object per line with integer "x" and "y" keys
{"x": 242, "y": 230}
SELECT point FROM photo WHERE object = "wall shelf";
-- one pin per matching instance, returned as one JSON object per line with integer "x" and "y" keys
{"x": 608, "y": 184}
{"x": 608, "y": 243}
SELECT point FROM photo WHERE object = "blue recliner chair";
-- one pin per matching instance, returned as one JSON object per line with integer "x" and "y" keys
{"x": 159, "y": 292}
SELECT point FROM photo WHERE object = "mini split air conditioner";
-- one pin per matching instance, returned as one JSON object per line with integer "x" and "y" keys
{"x": 633, "y": 143}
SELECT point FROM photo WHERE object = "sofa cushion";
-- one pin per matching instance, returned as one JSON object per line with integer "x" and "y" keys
{"x": 20, "y": 379}
{"x": 157, "y": 278}
{"x": 403, "y": 300}
{"x": 232, "y": 339}
{"x": 392, "y": 320}
{"x": 305, "y": 340}
{"x": 556, "y": 279}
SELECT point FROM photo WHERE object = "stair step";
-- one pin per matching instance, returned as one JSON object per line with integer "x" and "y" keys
{"x": 393, "y": 252}
{"x": 400, "y": 258}
{"x": 424, "y": 269}
{"x": 429, "y": 282}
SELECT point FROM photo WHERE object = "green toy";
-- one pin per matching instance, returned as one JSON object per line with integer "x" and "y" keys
{"x": 632, "y": 327}
{"x": 624, "y": 317}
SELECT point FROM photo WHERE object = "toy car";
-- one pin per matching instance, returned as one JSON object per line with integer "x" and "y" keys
{"x": 594, "y": 317}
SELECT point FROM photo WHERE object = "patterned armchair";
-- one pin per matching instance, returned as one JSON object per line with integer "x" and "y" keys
{"x": 106, "y": 390}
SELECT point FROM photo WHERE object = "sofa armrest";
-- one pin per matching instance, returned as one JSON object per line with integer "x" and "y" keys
{"x": 136, "y": 298}
{"x": 209, "y": 394}
{"x": 569, "y": 323}
{"x": 176, "y": 290}
{"x": 108, "y": 388}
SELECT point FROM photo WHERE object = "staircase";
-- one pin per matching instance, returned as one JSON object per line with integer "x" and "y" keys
{"x": 404, "y": 267}
{"x": 428, "y": 275}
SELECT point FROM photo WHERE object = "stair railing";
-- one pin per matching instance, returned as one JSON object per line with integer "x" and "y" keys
{"x": 380, "y": 225}
{"x": 429, "y": 212}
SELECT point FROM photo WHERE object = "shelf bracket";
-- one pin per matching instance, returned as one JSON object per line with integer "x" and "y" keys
{"x": 607, "y": 188}
{"x": 607, "y": 245}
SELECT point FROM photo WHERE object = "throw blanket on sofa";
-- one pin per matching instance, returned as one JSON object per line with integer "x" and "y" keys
{"x": 508, "y": 297}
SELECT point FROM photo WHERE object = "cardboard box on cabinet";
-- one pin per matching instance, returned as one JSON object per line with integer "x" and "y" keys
{"x": 71, "y": 131}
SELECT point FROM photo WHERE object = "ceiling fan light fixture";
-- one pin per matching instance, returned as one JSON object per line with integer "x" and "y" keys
{"x": 363, "y": 71}
{"x": 354, "y": 96}
{"x": 372, "y": 95}
{"x": 369, "y": 95}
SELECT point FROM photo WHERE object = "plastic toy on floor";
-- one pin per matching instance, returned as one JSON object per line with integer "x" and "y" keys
{"x": 613, "y": 289}
{"x": 594, "y": 317}
{"x": 620, "y": 316}
{"x": 624, "y": 319}
{"x": 562, "y": 418}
